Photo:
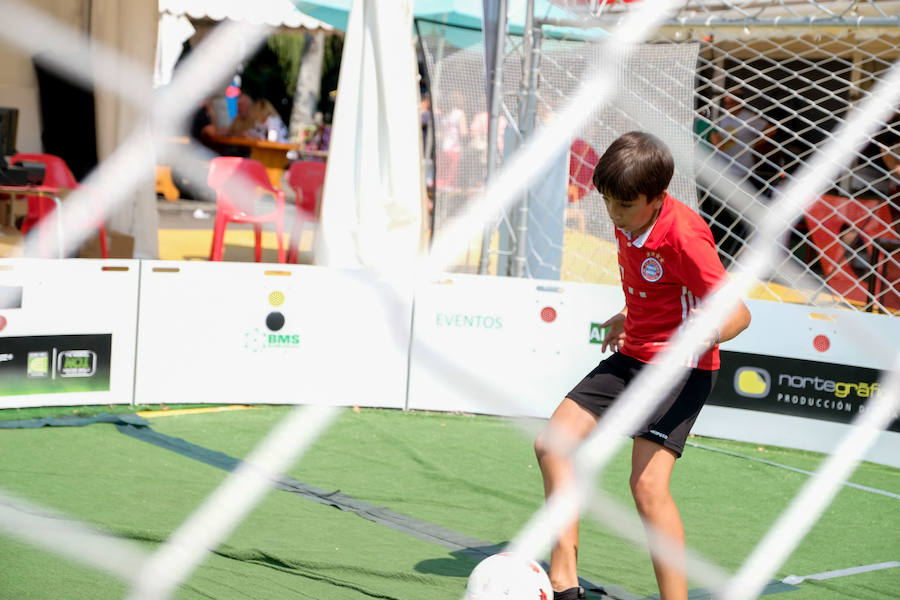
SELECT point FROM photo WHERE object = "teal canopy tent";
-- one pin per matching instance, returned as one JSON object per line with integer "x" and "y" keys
{"x": 464, "y": 16}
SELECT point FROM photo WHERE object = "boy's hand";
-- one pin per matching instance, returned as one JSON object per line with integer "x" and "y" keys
{"x": 615, "y": 335}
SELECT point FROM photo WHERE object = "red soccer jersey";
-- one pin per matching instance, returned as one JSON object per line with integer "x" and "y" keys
{"x": 665, "y": 273}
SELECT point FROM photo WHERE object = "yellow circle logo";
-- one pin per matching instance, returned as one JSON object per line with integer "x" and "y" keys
{"x": 276, "y": 298}
{"x": 752, "y": 382}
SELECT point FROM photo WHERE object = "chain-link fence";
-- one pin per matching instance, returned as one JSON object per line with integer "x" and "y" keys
{"x": 753, "y": 88}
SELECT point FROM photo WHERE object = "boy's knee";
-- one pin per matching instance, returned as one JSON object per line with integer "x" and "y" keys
{"x": 545, "y": 451}
{"x": 647, "y": 491}
{"x": 540, "y": 446}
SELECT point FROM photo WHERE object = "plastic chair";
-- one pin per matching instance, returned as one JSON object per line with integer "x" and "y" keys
{"x": 582, "y": 159}
{"x": 887, "y": 284}
{"x": 239, "y": 184}
{"x": 827, "y": 220}
{"x": 306, "y": 178}
{"x": 56, "y": 175}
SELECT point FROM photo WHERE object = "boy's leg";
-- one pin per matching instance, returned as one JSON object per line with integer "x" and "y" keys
{"x": 569, "y": 424}
{"x": 651, "y": 470}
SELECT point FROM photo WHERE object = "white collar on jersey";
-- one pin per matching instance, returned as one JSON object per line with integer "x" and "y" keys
{"x": 639, "y": 241}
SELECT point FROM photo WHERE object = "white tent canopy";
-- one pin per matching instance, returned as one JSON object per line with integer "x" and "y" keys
{"x": 277, "y": 13}
{"x": 175, "y": 27}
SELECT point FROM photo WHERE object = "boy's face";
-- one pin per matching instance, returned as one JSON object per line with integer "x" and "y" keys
{"x": 634, "y": 216}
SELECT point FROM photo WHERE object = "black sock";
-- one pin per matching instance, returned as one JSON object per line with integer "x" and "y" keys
{"x": 574, "y": 593}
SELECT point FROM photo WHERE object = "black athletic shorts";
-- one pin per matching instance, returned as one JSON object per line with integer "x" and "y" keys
{"x": 670, "y": 424}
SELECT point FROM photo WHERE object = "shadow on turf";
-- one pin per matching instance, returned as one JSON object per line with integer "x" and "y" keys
{"x": 459, "y": 563}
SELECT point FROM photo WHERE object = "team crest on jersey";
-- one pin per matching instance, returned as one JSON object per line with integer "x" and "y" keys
{"x": 651, "y": 269}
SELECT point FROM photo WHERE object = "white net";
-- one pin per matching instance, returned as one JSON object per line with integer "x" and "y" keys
{"x": 572, "y": 242}
{"x": 757, "y": 86}
{"x": 657, "y": 86}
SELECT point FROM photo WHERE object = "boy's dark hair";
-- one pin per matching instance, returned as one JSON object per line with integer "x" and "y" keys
{"x": 635, "y": 163}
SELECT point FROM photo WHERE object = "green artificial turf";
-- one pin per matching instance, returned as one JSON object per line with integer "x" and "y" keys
{"x": 474, "y": 475}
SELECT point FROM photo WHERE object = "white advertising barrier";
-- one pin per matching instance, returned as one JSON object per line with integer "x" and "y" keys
{"x": 67, "y": 331}
{"x": 273, "y": 334}
{"x": 799, "y": 375}
{"x": 505, "y": 346}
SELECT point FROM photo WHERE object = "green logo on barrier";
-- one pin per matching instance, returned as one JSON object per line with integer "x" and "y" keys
{"x": 258, "y": 341}
{"x": 38, "y": 364}
{"x": 597, "y": 333}
{"x": 276, "y": 340}
{"x": 461, "y": 321}
{"x": 77, "y": 363}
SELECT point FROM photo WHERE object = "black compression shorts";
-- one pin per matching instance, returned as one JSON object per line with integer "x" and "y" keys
{"x": 672, "y": 420}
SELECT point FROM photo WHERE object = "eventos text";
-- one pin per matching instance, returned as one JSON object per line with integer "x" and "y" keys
{"x": 473, "y": 321}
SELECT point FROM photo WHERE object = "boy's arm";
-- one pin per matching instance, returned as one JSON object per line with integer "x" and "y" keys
{"x": 702, "y": 270}
{"x": 737, "y": 321}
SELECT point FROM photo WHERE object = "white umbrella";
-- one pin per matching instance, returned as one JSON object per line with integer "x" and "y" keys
{"x": 372, "y": 202}
{"x": 173, "y": 32}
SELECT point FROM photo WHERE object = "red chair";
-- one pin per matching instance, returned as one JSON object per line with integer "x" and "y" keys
{"x": 58, "y": 177}
{"x": 239, "y": 184}
{"x": 832, "y": 217}
{"x": 887, "y": 284}
{"x": 306, "y": 178}
{"x": 582, "y": 159}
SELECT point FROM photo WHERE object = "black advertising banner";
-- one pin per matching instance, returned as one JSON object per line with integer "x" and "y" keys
{"x": 791, "y": 386}
{"x": 54, "y": 364}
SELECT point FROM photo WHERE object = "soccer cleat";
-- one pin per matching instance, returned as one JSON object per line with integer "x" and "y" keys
{"x": 574, "y": 593}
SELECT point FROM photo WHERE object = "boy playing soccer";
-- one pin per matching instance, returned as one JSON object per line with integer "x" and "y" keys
{"x": 668, "y": 263}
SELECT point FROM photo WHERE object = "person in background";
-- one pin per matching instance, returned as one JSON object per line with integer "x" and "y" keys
{"x": 891, "y": 158}
{"x": 876, "y": 174}
{"x": 242, "y": 122}
{"x": 478, "y": 139}
{"x": 704, "y": 129}
{"x": 744, "y": 133}
{"x": 203, "y": 126}
{"x": 189, "y": 173}
{"x": 267, "y": 123}
{"x": 453, "y": 129}
{"x": 320, "y": 136}
{"x": 426, "y": 122}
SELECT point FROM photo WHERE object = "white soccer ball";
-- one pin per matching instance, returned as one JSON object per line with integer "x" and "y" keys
{"x": 506, "y": 576}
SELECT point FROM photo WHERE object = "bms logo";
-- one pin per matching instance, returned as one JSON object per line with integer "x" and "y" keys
{"x": 258, "y": 341}
{"x": 752, "y": 382}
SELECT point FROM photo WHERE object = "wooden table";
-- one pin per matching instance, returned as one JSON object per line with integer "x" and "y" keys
{"x": 273, "y": 155}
